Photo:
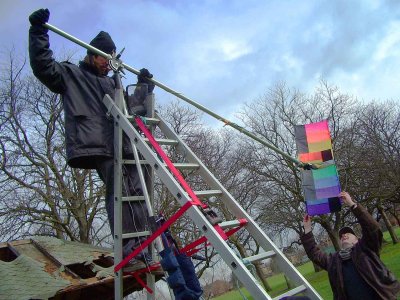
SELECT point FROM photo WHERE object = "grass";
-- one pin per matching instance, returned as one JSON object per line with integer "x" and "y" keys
{"x": 390, "y": 256}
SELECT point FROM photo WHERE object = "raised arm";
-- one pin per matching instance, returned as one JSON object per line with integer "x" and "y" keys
{"x": 310, "y": 246}
{"x": 43, "y": 65}
{"x": 371, "y": 232}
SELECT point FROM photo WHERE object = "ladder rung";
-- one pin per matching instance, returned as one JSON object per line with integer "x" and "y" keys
{"x": 135, "y": 234}
{"x": 208, "y": 193}
{"x": 181, "y": 166}
{"x": 147, "y": 120}
{"x": 229, "y": 224}
{"x": 260, "y": 256}
{"x": 186, "y": 166}
{"x": 133, "y": 162}
{"x": 292, "y": 292}
{"x": 165, "y": 141}
{"x": 133, "y": 198}
{"x": 151, "y": 120}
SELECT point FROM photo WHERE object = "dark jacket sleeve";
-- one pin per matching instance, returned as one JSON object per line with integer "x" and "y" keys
{"x": 43, "y": 65}
{"x": 313, "y": 251}
{"x": 371, "y": 232}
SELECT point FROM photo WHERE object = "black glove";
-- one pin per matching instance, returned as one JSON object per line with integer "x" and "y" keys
{"x": 39, "y": 17}
{"x": 143, "y": 77}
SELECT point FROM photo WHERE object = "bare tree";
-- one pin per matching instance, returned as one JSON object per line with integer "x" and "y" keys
{"x": 273, "y": 117}
{"x": 378, "y": 128}
{"x": 40, "y": 194}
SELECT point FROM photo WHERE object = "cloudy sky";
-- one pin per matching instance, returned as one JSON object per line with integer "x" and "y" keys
{"x": 222, "y": 53}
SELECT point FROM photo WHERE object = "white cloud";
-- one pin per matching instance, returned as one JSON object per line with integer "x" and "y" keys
{"x": 216, "y": 50}
{"x": 223, "y": 52}
{"x": 232, "y": 50}
{"x": 390, "y": 43}
{"x": 291, "y": 62}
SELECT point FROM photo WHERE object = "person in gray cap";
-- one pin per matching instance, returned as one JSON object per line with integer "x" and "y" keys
{"x": 88, "y": 130}
{"x": 356, "y": 271}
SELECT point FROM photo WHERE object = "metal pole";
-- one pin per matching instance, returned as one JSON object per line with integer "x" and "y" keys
{"x": 179, "y": 95}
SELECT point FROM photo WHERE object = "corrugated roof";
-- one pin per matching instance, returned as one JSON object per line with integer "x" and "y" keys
{"x": 67, "y": 252}
{"x": 46, "y": 267}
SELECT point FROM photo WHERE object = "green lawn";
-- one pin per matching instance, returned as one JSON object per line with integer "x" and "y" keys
{"x": 390, "y": 256}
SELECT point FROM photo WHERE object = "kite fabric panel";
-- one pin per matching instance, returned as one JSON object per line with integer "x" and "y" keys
{"x": 320, "y": 186}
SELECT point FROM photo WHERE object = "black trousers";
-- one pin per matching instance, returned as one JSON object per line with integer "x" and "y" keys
{"x": 134, "y": 214}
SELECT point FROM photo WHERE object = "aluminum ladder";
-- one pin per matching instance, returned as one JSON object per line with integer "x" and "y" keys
{"x": 124, "y": 123}
{"x": 147, "y": 187}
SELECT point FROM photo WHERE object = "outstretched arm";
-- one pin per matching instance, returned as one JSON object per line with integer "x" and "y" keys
{"x": 371, "y": 232}
{"x": 307, "y": 224}
{"x": 45, "y": 68}
{"x": 310, "y": 246}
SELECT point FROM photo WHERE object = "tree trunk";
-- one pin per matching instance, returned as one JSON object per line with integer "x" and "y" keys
{"x": 332, "y": 234}
{"x": 389, "y": 226}
{"x": 334, "y": 239}
{"x": 394, "y": 214}
{"x": 260, "y": 274}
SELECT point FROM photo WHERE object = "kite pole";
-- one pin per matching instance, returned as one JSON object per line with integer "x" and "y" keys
{"x": 120, "y": 64}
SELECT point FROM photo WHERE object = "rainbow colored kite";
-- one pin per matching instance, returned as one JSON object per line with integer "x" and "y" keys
{"x": 321, "y": 186}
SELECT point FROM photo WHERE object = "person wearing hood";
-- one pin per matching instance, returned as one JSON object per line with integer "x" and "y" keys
{"x": 356, "y": 271}
{"x": 89, "y": 132}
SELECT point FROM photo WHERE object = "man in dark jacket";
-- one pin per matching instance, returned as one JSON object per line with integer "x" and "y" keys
{"x": 356, "y": 271}
{"x": 88, "y": 130}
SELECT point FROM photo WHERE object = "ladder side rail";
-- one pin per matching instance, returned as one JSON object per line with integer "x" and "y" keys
{"x": 252, "y": 227}
{"x": 151, "y": 282}
{"x": 231, "y": 259}
{"x": 151, "y": 157}
{"x": 142, "y": 181}
{"x": 149, "y": 205}
{"x": 235, "y": 263}
{"x": 118, "y": 180}
{"x": 118, "y": 281}
{"x": 284, "y": 264}
{"x": 191, "y": 156}
{"x": 150, "y": 278}
{"x": 121, "y": 119}
{"x": 210, "y": 179}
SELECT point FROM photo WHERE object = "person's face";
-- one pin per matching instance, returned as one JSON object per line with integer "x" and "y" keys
{"x": 101, "y": 64}
{"x": 348, "y": 240}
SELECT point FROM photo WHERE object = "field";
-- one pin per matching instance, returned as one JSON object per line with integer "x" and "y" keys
{"x": 390, "y": 256}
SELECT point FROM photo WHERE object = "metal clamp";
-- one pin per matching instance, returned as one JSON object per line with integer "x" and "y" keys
{"x": 116, "y": 63}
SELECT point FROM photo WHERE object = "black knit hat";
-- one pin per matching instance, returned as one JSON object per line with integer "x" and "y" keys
{"x": 103, "y": 42}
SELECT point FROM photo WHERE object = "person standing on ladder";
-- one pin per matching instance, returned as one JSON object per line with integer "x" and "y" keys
{"x": 89, "y": 133}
